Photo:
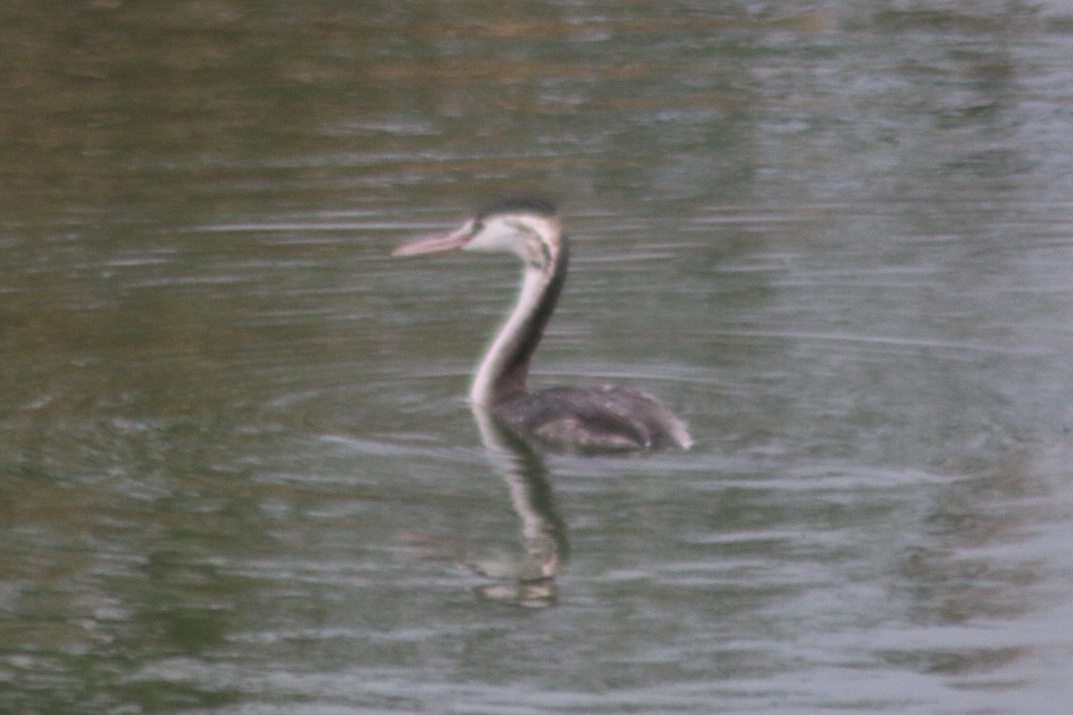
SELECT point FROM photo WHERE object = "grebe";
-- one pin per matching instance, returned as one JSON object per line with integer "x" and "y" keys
{"x": 585, "y": 418}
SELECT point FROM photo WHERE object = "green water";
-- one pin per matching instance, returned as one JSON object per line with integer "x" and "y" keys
{"x": 239, "y": 474}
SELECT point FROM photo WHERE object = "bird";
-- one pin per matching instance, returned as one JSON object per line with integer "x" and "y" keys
{"x": 583, "y": 419}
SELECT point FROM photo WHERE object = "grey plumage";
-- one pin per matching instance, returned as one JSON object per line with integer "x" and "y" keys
{"x": 595, "y": 418}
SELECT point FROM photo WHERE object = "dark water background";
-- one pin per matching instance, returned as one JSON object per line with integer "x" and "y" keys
{"x": 238, "y": 471}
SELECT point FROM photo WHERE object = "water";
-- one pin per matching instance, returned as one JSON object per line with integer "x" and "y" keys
{"x": 239, "y": 471}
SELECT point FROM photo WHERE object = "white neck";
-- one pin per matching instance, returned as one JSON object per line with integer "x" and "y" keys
{"x": 496, "y": 361}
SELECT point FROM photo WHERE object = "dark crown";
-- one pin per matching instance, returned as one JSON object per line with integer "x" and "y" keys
{"x": 525, "y": 204}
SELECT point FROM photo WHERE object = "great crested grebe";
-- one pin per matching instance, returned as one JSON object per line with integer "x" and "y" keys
{"x": 597, "y": 418}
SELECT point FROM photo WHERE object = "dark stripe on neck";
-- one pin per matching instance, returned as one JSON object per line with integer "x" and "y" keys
{"x": 510, "y": 382}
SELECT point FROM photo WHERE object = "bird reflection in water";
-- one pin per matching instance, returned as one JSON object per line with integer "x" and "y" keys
{"x": 528, "y": 580}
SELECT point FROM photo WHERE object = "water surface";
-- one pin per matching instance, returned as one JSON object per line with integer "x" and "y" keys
{"x": 239, "y": 471}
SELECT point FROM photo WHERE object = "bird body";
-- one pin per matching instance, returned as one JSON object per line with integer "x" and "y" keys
{"x": 608, "y": 417}
{"x": 586, "y": 418}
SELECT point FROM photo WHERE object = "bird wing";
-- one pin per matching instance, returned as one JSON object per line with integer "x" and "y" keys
{"x": 609, "y": 417}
